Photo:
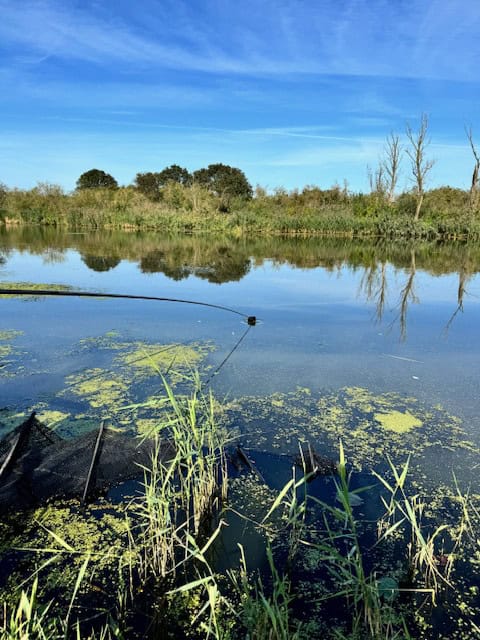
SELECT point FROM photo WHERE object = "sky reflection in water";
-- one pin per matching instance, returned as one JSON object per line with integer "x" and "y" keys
{"x": 333, "y": 314}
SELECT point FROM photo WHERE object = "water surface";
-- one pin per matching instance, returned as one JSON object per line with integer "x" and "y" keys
{"x": 332, "y": 313}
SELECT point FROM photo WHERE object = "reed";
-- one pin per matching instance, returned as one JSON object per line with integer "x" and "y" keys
{"x": 265, "y": 614}
{"x": 186, "y": 208}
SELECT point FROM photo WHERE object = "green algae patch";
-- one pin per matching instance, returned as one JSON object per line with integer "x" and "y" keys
{"x": 32, "y": 286}
{"x": 8, "y": 350}
{"x": 147, "y": 426}
{"x": 97, "y": 389}
{"x": 58, "y": 538}
{"x": 128, "y": 388}
{"x": 52, "y": 418}
{"x": 397, "y": 421}
{"x": 151, "y": 359}
{"x": 7, "y": 335}
{"x": 5, "y": 350}
{"x": 370, "y": 426}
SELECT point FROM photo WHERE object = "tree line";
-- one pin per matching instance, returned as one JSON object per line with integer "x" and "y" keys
{"x": 223, "y": 181}
{"x": 226, "y": 182}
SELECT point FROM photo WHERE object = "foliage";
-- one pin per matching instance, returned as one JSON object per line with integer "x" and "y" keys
{"x": 3, "y": 195}
{"x": 175, "y": 173}
{"x": 151, "y": 184}
{"x": 96, "y": 179}
{"x": 225, "y": 182}
{"x": 194, "y": 207}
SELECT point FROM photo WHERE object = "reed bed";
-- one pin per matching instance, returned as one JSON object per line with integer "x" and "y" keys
{"x": 447, "y": 213}
{"x": 176, "y": 521}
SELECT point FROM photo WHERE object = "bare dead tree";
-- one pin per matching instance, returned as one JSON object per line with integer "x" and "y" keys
{"x": 475, "y": 186}
{"x": 420, "y": 165}
{"x": 377, "y": 181}
{"x": 391, "y": 164}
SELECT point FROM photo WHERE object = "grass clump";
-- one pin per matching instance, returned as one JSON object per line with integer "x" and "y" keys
{"x": 340, "y": 558}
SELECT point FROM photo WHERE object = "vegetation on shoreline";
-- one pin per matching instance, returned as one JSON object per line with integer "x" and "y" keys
{"x": 220, "y": 198}
{"x": 446, "y": 212}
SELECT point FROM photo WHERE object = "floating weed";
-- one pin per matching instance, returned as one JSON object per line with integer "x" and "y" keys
{"x": 99, "y": 388}
{"x": 152, "y": 359}
{"x": 8, "y": 350}
{"x": 53, "y": 544}
{"x": 51, "y": 418}
{"x": 126, "y": 388}
{"x": 37, "y": 286}
{"x": 398, "y": 421}
{"x": 7, "y": 335}
{"x": 371, "y": 426}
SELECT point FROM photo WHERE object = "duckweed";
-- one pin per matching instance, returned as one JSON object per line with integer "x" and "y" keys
{"x": 371, "y": 426}
{"x": 8, "y": 350}
{"x": 397, "y": 421}
{"x": 36, "y": 286}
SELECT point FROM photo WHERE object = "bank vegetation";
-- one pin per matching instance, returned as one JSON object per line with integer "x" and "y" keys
{"x": 219, "y": 198}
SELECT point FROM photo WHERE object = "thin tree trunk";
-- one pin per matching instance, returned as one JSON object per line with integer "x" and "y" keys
{"x": 419, "y": 206}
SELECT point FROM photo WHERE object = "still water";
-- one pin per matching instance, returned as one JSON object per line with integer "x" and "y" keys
{"x": 331, "y": 313}
{"x": 374, "y": 344}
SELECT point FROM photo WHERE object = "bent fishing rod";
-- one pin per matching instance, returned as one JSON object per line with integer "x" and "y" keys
{"x": 251, "y": 320}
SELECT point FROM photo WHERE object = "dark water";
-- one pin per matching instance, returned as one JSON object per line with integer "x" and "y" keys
{"x": 333, "y": 313}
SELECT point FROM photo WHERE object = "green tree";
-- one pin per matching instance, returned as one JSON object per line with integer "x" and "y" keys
{"x": 152, "y": 183}
{"x": 3, "y": 194}
{"x": 149, "y": 184}
{"x": 175, "y": 173}
{"x": 96, "y": 179}
{"x": 225, "y": 182}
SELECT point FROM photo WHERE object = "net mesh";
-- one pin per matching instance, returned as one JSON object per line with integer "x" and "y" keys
{"x": 43, "y": 466}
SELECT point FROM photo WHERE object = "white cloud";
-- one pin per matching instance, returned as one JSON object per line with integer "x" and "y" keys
{"x": 437, "y": 39}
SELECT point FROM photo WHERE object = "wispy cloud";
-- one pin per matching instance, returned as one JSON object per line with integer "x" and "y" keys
{"x": 366, "y": 37}
{"x": 282, "y": 88}
{"x": 357, "y": 151}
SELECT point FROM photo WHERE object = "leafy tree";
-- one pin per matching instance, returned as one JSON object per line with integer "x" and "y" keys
{"x": 151, "y": 183}
{"x": 174, "y": 173}
{"x": 3, "y": 193}
{"x": 96, "y": 179}
{"x": 225, "y": 182}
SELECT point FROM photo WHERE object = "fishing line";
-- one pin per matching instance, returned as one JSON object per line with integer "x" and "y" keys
{"x": 251, "y": 320}
{"x": 235, "y": 347}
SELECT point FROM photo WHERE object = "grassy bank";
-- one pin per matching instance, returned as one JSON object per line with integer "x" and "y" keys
{"x": 446, "y": 212}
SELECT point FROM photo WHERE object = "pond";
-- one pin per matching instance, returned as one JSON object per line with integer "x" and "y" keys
{"x": 347, "y": 334}
{"x": 332, "y": 313}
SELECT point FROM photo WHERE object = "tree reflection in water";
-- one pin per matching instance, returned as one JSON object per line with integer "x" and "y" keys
{"x": 229, "y": 259}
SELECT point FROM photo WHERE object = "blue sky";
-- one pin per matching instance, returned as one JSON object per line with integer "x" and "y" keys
{"x": 293, "y": 92}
